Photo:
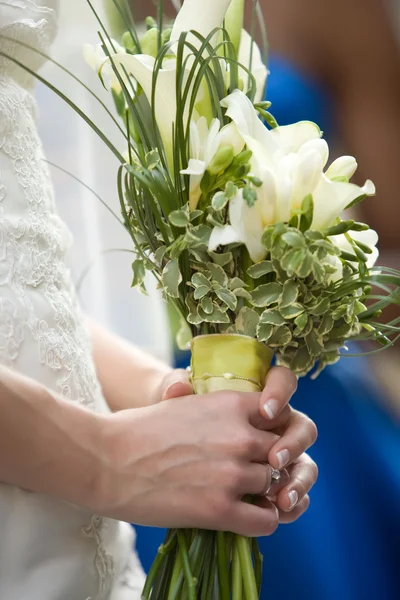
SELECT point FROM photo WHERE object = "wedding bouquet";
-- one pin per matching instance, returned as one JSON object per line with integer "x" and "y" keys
{"x": 240, "y": 221}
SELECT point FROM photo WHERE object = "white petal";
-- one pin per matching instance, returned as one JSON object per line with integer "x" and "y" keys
{"x": 230, "y": 136}
{"x": 212, "y": 141}
{"x": 290, "y": 138}
{"x": 90, "y": 56}
{"x": 247, "y": 222}
{"x": 258, "y": 68}
{"x": 332, "y": 197}
{"x": 141, "y": 66}
{"x": 307, "y": 176}
{"x": 344, "y": 166}
{"x": 317, "y": 145}
{"x": 222, "y": 236}
{"x": 202, "y": 18}
{"x": 267, "y": 198}
{"x": 195, "y": 167}
{"x": 255, "y": 134}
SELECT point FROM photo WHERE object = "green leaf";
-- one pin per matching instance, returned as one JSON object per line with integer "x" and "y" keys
{"x": 307, "y": 210}
{"x": 266, "y": 294}
{"x": 207, "y": 305}
{"x": 138, "y": 272}
{"x": 179, "y": 218}
{"x": 280, "y": 337}
{"x": 230, "y": 190}
{"x": 171, "y": 278}
{"x": 242, "y": 293}
{"x": 218, "y": 274}
{"x": 195, "y": 214}
{"x": 294, "y": 239}
{"x": 227, "y": 297}
{"x": 221, "y": 259}
{"x": 152, "y": 159}
{"x": 247, "y": 321}
{"x": 259, "y": 269}
{"x": 217, "y": 316}
{"x": 302, "y": 362}
{"x": 200, "y": 292}
{"x": 314, "y": 343}
{"x": 198, "y": 279}
{"x": 301, "y": 323}
{"x": 292, "y": 311}
{"x": 268, "y": 238}
{"x": 249, "y": 196}
{"x": 326, "y": 324}
{"x": 184, "y": 335}
{"x": 264, "y": 332}
{"x": 272, "y": 317}
{"x": 321, "y": 308}
{"x": 318, "y": 271}
{"x": 289, "y": 294}
{"x": 236, "y": 283}
{"x": 219, "y": 201}
{"x": 159, "y": 254}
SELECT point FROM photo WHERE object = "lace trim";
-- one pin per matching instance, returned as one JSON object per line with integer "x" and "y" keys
{"x": 103, "y": 561}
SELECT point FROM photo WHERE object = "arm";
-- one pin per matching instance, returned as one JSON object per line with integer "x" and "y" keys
{"x": 47, "y": 445}
{"x": 131, "y": 465}
{"x": 129, "y": 377}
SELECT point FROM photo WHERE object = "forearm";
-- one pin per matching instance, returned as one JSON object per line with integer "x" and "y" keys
{"x": 130, "y": 378}
{"x": 48, "y": 446}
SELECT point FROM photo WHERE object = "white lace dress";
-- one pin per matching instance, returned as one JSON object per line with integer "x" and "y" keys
{"x": 48, "y": 549}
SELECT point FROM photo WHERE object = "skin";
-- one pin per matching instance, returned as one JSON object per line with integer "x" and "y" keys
{"x": 183, "y": 462}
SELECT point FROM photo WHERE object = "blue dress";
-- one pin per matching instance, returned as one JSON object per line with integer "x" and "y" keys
{"x": 347, "y": 546}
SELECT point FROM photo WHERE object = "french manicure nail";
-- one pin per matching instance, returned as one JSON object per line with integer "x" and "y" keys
{"x": 293, "y": 497}
{"x": 283, "y": 458}
{"x": 271, "y": 408}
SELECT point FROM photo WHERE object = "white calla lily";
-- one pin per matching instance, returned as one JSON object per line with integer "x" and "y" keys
{"x": 290, "y": 163}
{"x": 203, "y": 21}
{"x": 141, "y": 66}
{"x": 258, "y": 68}
{"x": 100, "y": 62}
{"x": 204, "y": 144}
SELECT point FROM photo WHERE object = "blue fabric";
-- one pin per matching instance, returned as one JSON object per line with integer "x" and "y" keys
{"x": 296, "y": 96}
{"x": 347, "y": 547}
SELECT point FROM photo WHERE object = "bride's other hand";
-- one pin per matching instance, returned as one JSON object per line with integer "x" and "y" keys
{"x": 296, "y": 434}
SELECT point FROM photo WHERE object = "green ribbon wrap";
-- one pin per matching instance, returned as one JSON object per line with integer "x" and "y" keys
{"x": 229, "y": 362}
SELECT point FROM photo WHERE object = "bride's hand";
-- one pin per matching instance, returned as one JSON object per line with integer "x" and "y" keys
{"x": 296, "y": 434}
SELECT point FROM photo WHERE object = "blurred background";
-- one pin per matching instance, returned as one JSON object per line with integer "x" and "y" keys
{"x": 336, "y": 63}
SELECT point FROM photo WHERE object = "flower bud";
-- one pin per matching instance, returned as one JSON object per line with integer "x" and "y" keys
{"x": 221, "y": 161}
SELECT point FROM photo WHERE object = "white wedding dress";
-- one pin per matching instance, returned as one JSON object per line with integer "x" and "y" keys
{"x": 48, "y": 550}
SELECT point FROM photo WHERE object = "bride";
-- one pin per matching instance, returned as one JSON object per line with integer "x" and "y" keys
{"x": 83, "y": 431}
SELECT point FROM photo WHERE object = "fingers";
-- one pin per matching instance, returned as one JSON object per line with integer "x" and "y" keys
{"x": 176, "y": 384}
{"x": 253, "y": 479}
{"x": 252, "y": 520}
{"x": 285, "y": 518}
{"x": 280, "y": 385}
{"x": 303, "y": 475}
{"x": 300, "y": 433}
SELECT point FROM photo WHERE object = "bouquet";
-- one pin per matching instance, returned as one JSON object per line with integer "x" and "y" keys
{"x": 241, "y": 222}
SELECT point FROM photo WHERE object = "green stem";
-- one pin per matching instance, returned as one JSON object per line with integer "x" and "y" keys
{"x": 162, "y": 554}
{"x": 237, "y": 581}
{"x": 246, "y": 564}
{"x": 174, "y": 585}
{"x": 183, "y": 552}
{"x": 258, "y": 560}
{"x": 223, "y": 566}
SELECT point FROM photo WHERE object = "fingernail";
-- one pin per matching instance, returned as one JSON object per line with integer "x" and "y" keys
{"x": 293, "y": 497}
{"x": 283, "y": 458}
{"x": 271, "y": 408}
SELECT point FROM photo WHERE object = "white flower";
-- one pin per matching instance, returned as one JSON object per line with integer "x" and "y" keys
{"x": 100, "y": 62}
{"x": 368, "y": 238}
{"x": 205, "y": 142}
{"x": 258, "y": 68}
{"x": 290, "y": 162}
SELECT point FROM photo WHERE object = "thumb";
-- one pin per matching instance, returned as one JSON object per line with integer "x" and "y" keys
{"x": 176, "y": 384}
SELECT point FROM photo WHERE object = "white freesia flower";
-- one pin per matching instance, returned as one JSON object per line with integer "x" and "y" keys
{"x": 100, "y": 62}
{"x": 368, "y": 238}
{"x": 205, "y": 142}
{"x": 290, "y": 162}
